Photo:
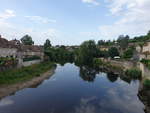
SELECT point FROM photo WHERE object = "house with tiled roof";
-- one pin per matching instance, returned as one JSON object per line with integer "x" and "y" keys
{"x": 7, "y": 49}
{"x": 144, "y": 50}
{"x": 25, "y": 54}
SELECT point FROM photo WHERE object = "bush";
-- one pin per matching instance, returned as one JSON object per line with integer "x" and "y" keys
{"x": 146, "y": 62}
{"x": 146, "y": 83}
{"x": 97, "y": 62}
{"x": 31, "y": 58}
{"x": 7, "y": 60}
{"x": 134, "y": 73}
{"x": 128, "y": 53}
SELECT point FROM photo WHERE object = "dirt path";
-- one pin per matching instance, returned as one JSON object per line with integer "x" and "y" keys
{"x": 6, "y": 90}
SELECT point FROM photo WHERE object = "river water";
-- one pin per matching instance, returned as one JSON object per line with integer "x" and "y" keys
{"x": 76, "y": 90}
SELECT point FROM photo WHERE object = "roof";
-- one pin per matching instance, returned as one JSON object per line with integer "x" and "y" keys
{"x": 4, "y": 43}
{"x": 30, "y": 48}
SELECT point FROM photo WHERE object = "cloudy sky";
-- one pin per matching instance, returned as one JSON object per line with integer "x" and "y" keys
{"x": 70, "y": 22}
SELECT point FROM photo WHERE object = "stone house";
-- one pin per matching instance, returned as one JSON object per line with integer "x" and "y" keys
{"x": 7, "y": 49}
{"x": 144, "y": 51}
{"x": 19, "y": 51}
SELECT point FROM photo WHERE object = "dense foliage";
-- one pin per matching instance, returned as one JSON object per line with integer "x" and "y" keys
{"x": 123, "y": 41}
{"x": 113, "y": 51}
{"x": 140, "y": 39}
{"x": 27, "y": 40}
{"x": 6, "y": 61}
{"x": 60, "y": 55}
{"x": 128, "y": 53}
{"x": 146, "y": 62}
{"x": 147, "y": 83}
{"x": 134, "y": 73}
{"x": 105, "y": 43}
{"x": 47, "y": 44}
{"x": 86, "y": 53}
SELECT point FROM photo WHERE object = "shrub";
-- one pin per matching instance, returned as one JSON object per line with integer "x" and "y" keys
{"x": 134, "y": 73}
{"x": 128, "y": 53}
{"x": 146, "y": 83}
{"x": 97, "y": 62}
{"x": 146, "y": 62}
{"x": 31, "y": 58}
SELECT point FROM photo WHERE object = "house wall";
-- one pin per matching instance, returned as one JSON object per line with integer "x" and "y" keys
{"x": 138, "y": 49}
{"x": 4, "y": 52}
{"x": 146, "y": 48}
{"x": 22, "y": 55}
{"x": 28, "y": 63}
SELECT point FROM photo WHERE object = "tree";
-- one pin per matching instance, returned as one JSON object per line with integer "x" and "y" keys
{"x": 123, "y": 41}
{"x": 128, "y": 53}
{"x": 47, "y": 44}
{"x": 101, "y": 42}
{"x": 113, "y": 51}
{"x": 27, "y": 40}
{"x": 86, "y": 53}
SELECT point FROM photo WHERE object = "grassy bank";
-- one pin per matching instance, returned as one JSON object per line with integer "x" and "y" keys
{"x": 147, "y": 83}
{"x": 134, "y": 73}
{"x": 24, "y": 73}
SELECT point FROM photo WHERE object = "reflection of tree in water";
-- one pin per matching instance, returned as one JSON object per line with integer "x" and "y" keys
{"x": 144, "y": 96}
{"x": 111, "y": 77}
{"x": 88, "y": 73}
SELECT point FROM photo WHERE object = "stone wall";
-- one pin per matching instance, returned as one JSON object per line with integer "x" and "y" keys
{"x": 28, "y": 63}
{"x": 4, "y": 52}
{"x": 124, "y": 64}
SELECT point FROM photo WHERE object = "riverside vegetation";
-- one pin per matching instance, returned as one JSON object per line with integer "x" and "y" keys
{"x": 24, "y": 73}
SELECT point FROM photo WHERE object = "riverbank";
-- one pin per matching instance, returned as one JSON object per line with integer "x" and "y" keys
{"x": 25, "y": 73}
{"x": 9, "y": 89}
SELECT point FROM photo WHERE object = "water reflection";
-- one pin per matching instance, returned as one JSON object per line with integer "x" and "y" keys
{"x": 88, "y": 73}
{"x": 112, "y": 77}
{"x": 144, "y": 96}
{"x": 69, "y": 94}
{"x": 6, "y": 102}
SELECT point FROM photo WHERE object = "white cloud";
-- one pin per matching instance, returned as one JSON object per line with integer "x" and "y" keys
{"x": 40, "y": 19}
{"x": 10, "y": 31}
{"x": 94, "y": 2}
{"x": 7, "y": 14}
{"x": 134, "y": 18}
{"x": 6, "y": 102}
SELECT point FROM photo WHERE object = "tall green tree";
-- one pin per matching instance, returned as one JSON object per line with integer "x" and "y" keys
{"x": 27, "y": 40}
{"x": 113, "y": 51}
{"x": 87, "y": 52}
{"x": 123, "y": 41}
{"x": 47, "y": 44}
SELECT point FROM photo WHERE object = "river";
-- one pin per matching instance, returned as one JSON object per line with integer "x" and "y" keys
{"x": 76, "y": 90}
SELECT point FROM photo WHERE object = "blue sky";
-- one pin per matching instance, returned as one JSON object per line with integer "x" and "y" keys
{"x": 70, "y": 22}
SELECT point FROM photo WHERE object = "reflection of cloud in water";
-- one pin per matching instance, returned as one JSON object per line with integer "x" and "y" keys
{"x": 122, "y": 99}
{"x": 6, "y": 101}
{"x": 119, "y": 99}
{"x": 86, "y": 106}
{"x": 53, "y": 79}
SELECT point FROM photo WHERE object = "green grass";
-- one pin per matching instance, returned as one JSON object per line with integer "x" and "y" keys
{"x": 146, "y": 62}
{"x": 24, "y": 73}
{"x": 134, "y": 73}
{"x": 147, "y": 83}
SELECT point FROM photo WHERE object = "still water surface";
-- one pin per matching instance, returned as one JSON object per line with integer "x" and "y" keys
{"x": 75, "y": 90}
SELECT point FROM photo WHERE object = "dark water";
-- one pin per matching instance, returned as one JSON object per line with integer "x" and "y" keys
{"x": 75, "y": 90}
